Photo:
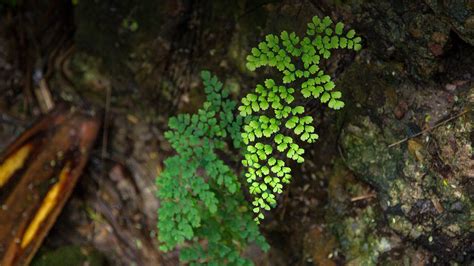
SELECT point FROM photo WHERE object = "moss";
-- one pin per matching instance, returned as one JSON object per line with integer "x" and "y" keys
{"x": 420, "y": 187}
{"x": 367, "y": 153}
{"x": 68, "y": 255}
{"x": 354, "y": 225}
{"x": 359, "y": 240}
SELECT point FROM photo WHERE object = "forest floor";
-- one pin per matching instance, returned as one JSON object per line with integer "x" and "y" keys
{"x": 390, "y": 182}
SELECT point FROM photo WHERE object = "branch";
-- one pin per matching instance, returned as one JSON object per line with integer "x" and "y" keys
{"x": 429, "y": 129}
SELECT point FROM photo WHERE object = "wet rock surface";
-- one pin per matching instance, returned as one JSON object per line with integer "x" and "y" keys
{"x": 424, "y": 182}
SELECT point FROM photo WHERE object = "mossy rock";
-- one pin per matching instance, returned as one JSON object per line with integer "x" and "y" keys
{"x": 422, "y": 183}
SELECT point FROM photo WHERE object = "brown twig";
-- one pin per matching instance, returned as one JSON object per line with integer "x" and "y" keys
{"x": 429, "y": 129}
{"x": 363, "y": 197}
{"x": 44, "y": 97}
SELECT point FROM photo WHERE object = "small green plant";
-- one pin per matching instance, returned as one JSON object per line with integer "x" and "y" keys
{"x": 130, "y": 24}
{"x": 203, "y": 209}
{"x": 201, "y": 200}
{"x": 273, "y": 114}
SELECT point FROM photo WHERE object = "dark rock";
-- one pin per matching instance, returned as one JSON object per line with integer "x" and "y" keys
{"x": 459, "y": 13}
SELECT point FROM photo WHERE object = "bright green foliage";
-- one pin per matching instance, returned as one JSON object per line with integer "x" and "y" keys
{"x": 270, "y": 111}
{"x": 200, "y": 195}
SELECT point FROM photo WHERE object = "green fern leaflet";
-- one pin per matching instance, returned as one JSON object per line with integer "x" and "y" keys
{"x": 273, "y": 118}
{"x": 200, "y": 196}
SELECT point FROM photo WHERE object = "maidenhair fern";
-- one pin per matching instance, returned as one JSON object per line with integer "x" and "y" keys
{"x": 200, "y": 195}
{"x": 203, "y": 209}
{"x": 273, "y": 117}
